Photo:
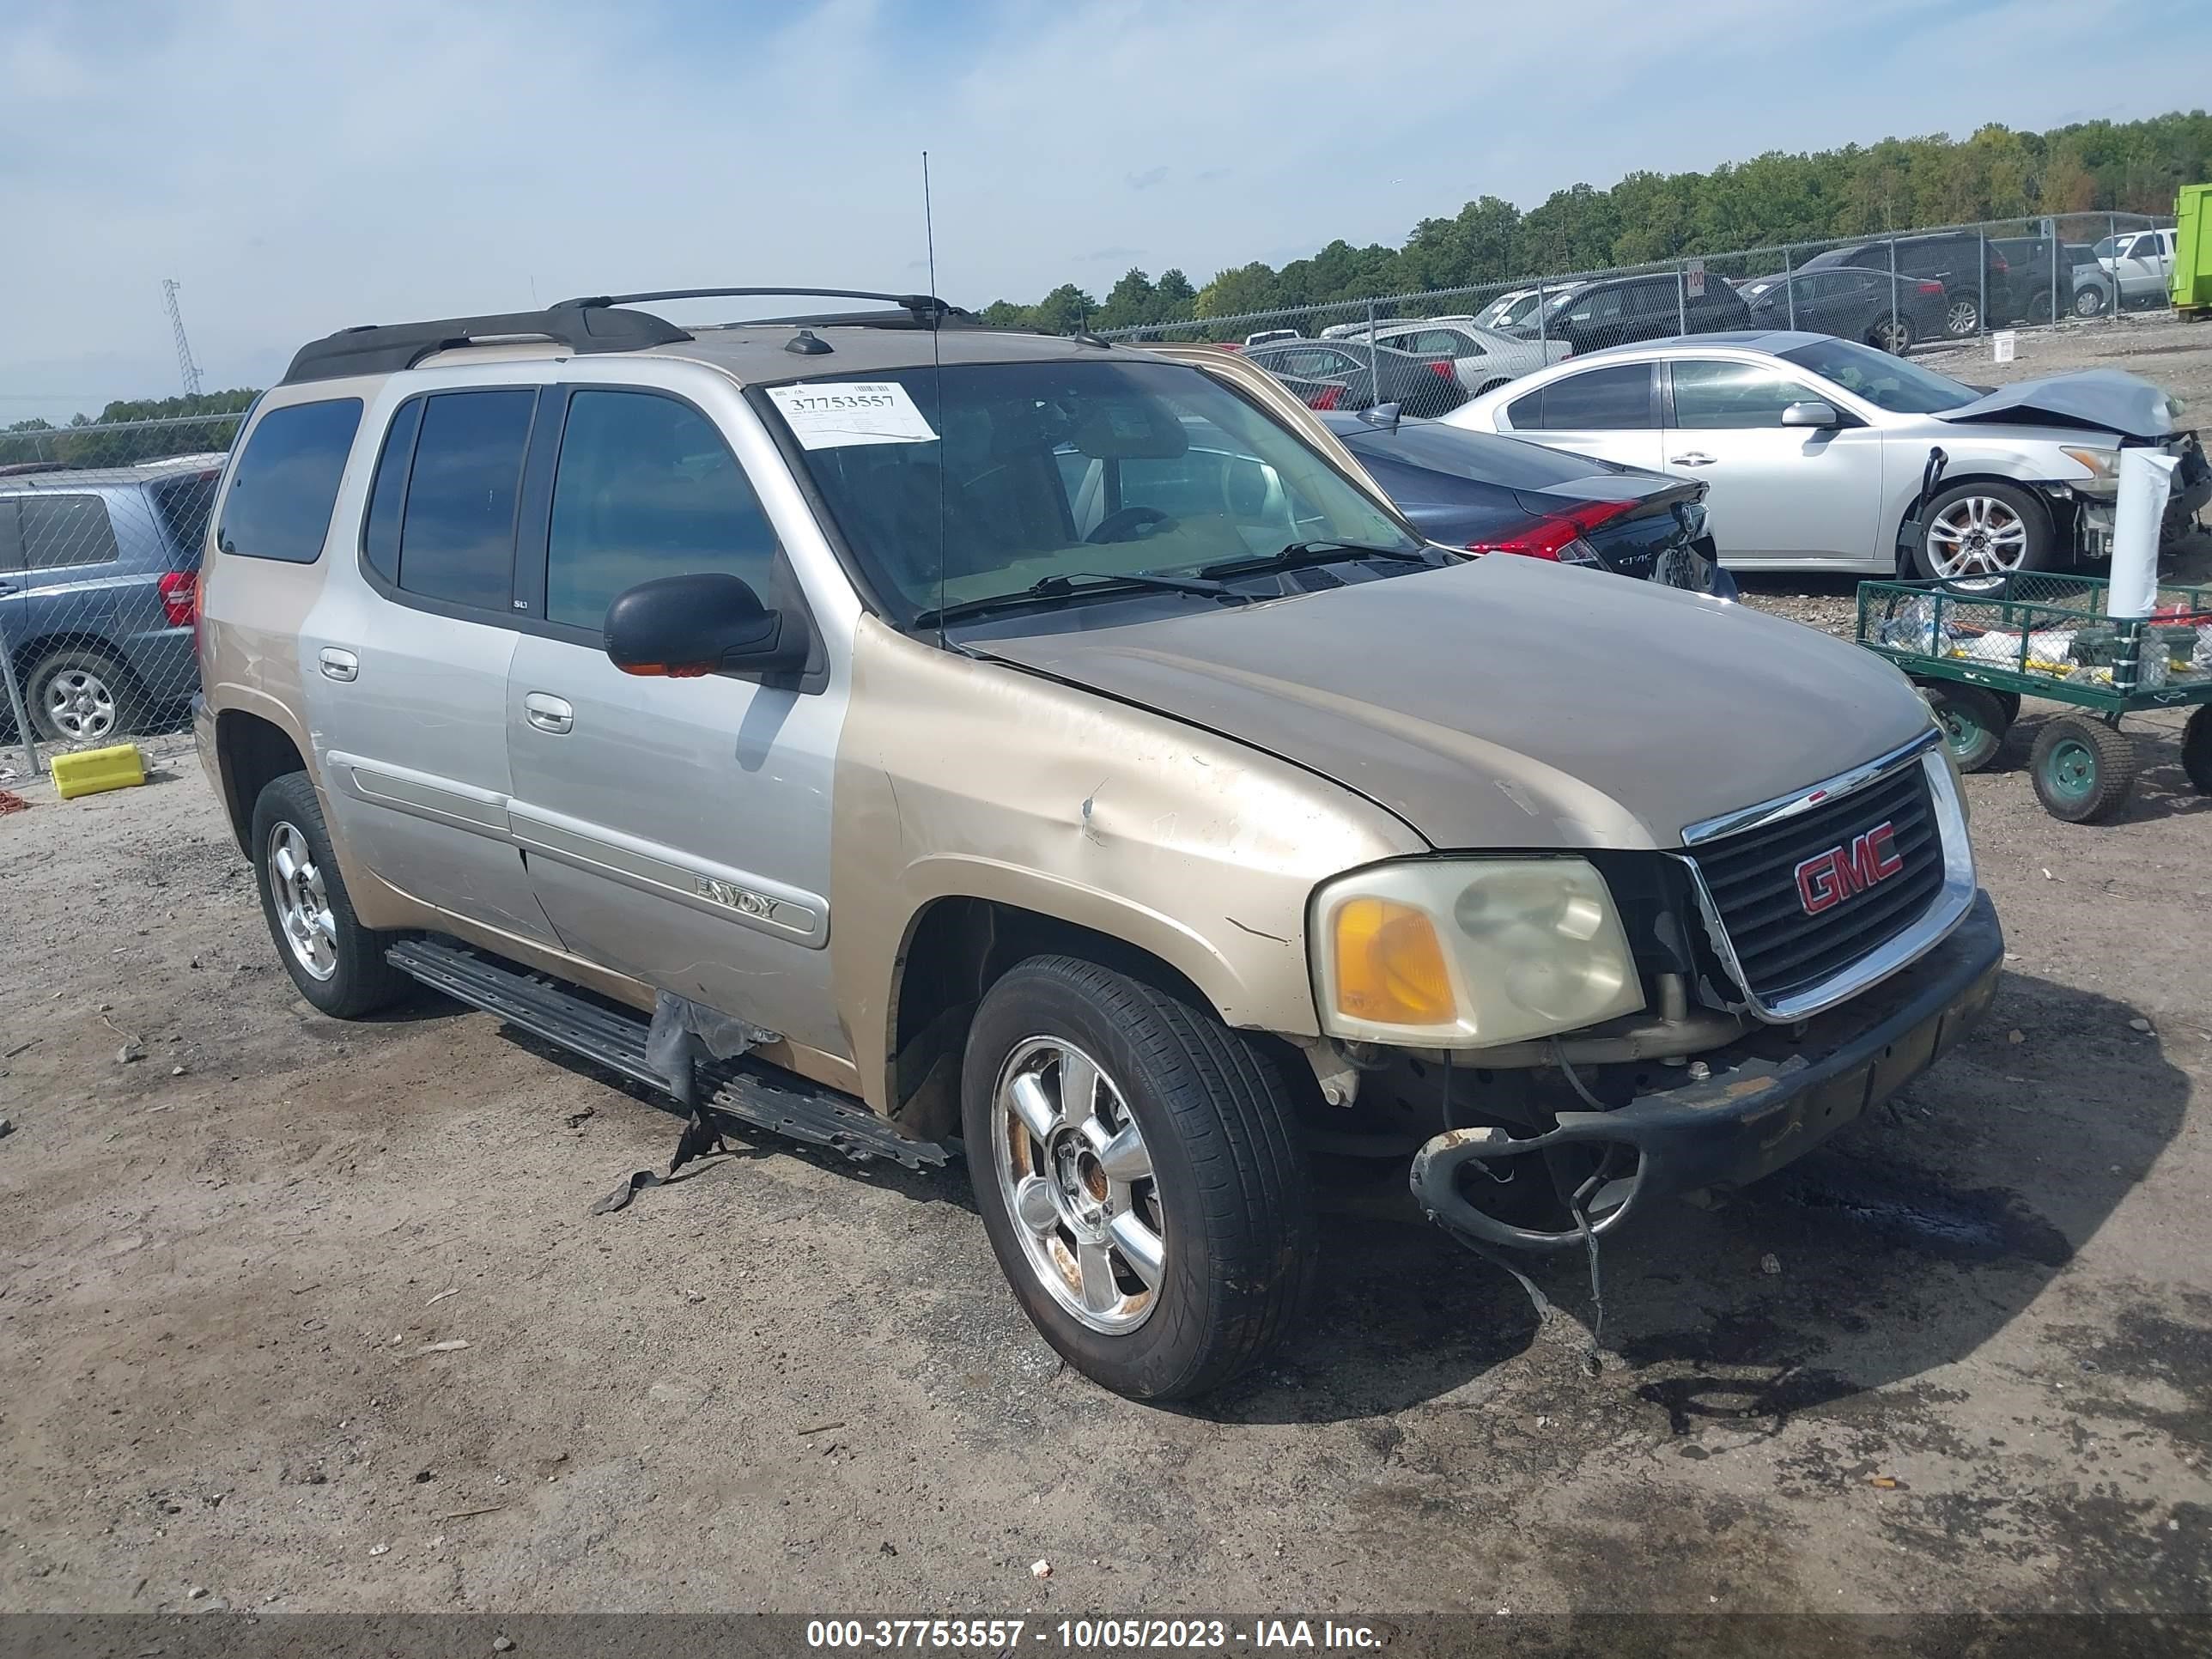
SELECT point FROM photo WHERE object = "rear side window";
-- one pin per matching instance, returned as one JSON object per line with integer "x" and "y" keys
{"x": 61, "y": 531}
{"x": 1612, "y": 399}
{"x": 287, "y": 481}
{"x": 183, "y": 504}
{"x": 456, "y": 535}
{"x": 647, "y": 488}
{"x": 387, "y": 495}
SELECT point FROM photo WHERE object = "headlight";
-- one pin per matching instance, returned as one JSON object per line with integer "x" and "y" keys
{"x": 2104, "y": 465}
{"x": 1461, "y": 954}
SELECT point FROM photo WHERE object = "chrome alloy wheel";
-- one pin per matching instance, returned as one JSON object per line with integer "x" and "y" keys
{"x": 303, "y": 907}
{"x": 1975, "y": 536}
{"x": 79, "y": 704}
{"x": 1078, "y": 1181}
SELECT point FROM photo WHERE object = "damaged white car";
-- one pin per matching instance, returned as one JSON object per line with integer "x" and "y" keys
{"x": 1816, "y": 452}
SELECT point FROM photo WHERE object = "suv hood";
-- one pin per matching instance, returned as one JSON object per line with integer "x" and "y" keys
{"x": 1509, "y": 703}
{"x": 2101, "y": 399}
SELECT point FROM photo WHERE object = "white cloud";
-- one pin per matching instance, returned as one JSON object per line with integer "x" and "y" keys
{"x": 300, "y": 168}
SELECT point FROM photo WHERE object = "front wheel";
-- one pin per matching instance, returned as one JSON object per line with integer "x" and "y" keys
{"x": 1962, "y": 316}
{"x": 2196, "y": 750}
{"x": 1974, "y": 535}
{"x": 2084, "y": 770}
{"x": 336, "y": 964}
{"x": 1137, "y": 1172}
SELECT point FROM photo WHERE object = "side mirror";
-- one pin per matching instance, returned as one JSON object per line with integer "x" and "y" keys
{"x": 1811, "y": 414}
{"x": 682, "y": 627}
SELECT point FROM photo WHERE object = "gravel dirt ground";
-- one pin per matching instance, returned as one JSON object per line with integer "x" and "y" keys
{"x": 304, "y": 1315}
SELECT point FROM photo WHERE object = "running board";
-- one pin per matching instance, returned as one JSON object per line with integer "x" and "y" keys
{"x": 615, "y": 1038}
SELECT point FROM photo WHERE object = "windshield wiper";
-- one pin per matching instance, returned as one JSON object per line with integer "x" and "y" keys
{"x": 1304, "y": 553}
{"x": 1064, "y": 587}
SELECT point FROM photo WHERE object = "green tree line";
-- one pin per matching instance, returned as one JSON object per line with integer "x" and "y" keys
{"x": 73, "y": 444}
{"x": 1774, "y": 200}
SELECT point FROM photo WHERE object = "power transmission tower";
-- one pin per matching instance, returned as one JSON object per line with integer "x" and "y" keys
{"x": 185, "y": 366}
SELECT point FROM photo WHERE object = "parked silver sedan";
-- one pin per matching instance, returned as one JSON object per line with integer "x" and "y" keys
{"x": 1481, "y": 359}
{"x": 1815, "y": 449}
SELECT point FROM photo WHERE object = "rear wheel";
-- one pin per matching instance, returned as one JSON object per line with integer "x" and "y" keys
{"x": 1136, "y": 1169}
{"x": 2084, "y": 770}
{"x": 2089, "y": 302}
{"x": 79, "y": 695}
{"x": 1973, "y": 722}
{"x": 1892, "y": 334}
{"x": 336, "y": 964}
{"x": 2196, "y": 750}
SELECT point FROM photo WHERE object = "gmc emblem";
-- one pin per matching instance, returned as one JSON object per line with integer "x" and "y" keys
{"x": 1827, "y": 880}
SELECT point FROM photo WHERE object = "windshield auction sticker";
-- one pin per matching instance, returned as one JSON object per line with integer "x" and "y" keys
{"x": 831, "y": 414}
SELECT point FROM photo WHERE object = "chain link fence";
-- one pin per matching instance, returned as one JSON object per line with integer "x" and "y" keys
{"x": 1899, "y": 291}
{"x": 100, "y": 531}
{"x": 102, "y": 522}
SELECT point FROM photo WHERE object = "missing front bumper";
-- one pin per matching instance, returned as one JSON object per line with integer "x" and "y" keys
{"x": 1767, "y": 1101}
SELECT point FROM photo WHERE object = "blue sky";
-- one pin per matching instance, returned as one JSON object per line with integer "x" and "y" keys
{"x": 299, "y": 168}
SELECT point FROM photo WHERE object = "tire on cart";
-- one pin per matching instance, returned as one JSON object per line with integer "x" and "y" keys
{"x": 2083, "y": 769}
{"x": 2011, "y": 701}
{"x": 1974, "y": 722}
{"x": 2196, "y": 749}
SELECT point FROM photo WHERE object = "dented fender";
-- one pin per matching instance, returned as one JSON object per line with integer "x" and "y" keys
{"x": 962, "y": 778}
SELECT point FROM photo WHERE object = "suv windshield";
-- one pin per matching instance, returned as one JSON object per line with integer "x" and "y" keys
{"x": 1092, "y": 468}
{"x": 1902, "y": 387}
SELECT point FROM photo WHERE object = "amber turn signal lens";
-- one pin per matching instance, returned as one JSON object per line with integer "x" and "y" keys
{"x": 1389, "y": 967}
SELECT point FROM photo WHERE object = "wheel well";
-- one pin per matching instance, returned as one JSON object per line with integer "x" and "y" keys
{"x": 2057, "y": 514}
{"x": 956, "y": 949}
{"x": 251, "y": 752}
{"x": 28, "y": 655}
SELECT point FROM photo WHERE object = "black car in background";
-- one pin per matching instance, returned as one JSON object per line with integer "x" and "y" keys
{"x": 1337, "y": 374}
{"x": 1494, "y": 495}
{"x": 2029, "y": 289}
{"x": 1616, "y": 310}
{"x": 1972, "y": 270}
{"x": 1889, "y": 314}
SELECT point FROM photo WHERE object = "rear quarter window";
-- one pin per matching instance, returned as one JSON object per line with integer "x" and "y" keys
{"x": 287, "y": 481}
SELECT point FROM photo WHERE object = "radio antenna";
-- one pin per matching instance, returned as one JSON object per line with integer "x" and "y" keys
{"x": 937, "y": 384}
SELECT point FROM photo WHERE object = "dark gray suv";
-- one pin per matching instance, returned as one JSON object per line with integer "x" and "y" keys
{"x": 99, "y": 578}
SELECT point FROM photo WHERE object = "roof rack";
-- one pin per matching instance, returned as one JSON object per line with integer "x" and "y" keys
{"x": 595, "y": 324}
{"x": 589, "y": 325}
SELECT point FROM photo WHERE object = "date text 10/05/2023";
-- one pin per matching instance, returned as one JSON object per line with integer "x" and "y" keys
{"x": 1090, "y": 1635}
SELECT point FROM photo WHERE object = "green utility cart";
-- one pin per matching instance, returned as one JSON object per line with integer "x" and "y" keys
{"x": 2191, "y": 278}
{"x": 1977, "y": 653}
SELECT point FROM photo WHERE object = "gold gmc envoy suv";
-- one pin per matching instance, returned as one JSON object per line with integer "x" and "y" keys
{"x": 921, "y": 737}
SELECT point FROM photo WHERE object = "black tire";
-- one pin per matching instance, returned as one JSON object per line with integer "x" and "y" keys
{"x": 2039, "y": 549}
{"x": 1227, "y": 1187}
{"x": 2039, "y": 307}
{"x": 110, "y": 701}
{"x": 2010, "y": 701}
{"x": 1973, "y": 723}
{"x": 1962, "y": 315}
{"x": 2196, "y": 750}
{"x": 360, "y": 981}
{"x": 1897, "y": 338}
{"x": 2084, "y": 771}
{"x": 2089, "y": 302}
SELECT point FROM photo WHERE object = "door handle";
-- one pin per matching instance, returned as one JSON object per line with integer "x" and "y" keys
{"x": 549, "y": 713}
{"x": 1691, "y": 458}
{"x": 338, "y": 664}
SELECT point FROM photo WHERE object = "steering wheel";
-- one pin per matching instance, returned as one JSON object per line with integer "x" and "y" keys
{"x": 1128, "y": 524}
